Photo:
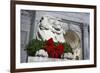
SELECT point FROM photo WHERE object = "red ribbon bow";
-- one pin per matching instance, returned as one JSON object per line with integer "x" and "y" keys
{"x": 54, "y": 51}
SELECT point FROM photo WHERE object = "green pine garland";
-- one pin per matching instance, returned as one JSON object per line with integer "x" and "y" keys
{"x": 35, "y": 45}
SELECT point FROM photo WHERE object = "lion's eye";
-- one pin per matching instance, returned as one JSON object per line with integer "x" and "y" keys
{"x": 57, "y": 29}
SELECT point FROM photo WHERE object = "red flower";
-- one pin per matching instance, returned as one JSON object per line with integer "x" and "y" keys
{"x": 56, "y": 55}
{"x": 54, "y": 51}
{"x": 50, "y": 49}
{"x": 60, "y": 49}
{"x": 50, "y": 42}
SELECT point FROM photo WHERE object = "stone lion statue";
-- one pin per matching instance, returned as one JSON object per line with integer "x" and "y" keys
{"x": 50, "y": 28}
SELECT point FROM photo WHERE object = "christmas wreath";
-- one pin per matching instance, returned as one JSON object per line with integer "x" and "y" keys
{"x": 54, "y": 49}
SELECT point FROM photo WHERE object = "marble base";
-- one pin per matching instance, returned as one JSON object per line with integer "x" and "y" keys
{"x": 43, "y": 59}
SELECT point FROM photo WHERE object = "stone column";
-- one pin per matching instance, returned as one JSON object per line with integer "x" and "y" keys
{"x": 86, "y": 41}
